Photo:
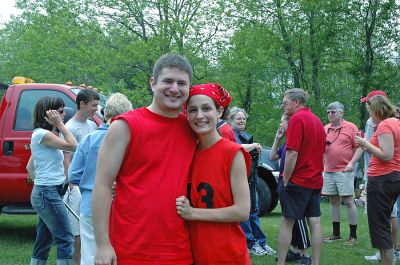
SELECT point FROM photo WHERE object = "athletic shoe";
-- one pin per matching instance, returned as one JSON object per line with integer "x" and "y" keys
{"x": 397, "y": 254}
{"x": 332, "y": 238}
{"x": 377, "y": 257}
{"x": 291, "y": 256}
{"x": 351, "y": 241}
{"x": 268, "y": 250}
{"x": 257, "y": 250}
{"x": 304, "y": 261}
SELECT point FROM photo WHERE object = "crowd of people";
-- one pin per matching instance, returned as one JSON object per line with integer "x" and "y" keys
{"x": 158, "y": 185}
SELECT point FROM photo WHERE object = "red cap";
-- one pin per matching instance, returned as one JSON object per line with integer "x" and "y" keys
{"x": 372, "y": 94}
{"x": 214, "y": 91}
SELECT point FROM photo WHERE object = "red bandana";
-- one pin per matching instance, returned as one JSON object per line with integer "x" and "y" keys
{"x": 214, "y": 91}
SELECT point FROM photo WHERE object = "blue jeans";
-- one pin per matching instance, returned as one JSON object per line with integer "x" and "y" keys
{"x": 398, "y": 211}
{"x": 53, "y": 223}
{"x": 252, "y": 230}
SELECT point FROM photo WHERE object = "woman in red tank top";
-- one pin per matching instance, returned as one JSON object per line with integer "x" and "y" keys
{"x": 219, "y": 196}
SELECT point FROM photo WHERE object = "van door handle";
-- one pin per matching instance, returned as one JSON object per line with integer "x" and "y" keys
{"x": 8, "y": 148}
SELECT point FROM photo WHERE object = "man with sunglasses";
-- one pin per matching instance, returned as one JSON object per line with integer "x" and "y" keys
{"x": 341, "y": 154}
{"x": 302, "y": 173}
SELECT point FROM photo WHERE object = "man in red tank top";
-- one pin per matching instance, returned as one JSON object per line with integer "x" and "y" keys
{"x": 148, "y": 152}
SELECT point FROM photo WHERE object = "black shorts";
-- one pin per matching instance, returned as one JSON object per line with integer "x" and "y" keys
{"x": 300, "y": 237}
{"x": 382, "y": 193}
{"x": 298, "y": 202}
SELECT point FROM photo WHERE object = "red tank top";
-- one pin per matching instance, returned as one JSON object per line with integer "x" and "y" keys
{"x": 216, "y": 243}
{"x": 144, "y": 226}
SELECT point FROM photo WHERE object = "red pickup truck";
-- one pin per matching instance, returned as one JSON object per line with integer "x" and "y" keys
{"x": 16, "y": 114}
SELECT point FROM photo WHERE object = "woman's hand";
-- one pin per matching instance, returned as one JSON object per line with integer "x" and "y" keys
{"x": 279, "y": 133}
{"x": 361, "y": 142}
{"x": 258, "y": 147}
{"x": 183, "y": 208}
{"x": 53, "y": 118}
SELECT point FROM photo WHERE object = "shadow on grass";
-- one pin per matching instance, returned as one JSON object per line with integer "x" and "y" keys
{"x": 16, "y": 228}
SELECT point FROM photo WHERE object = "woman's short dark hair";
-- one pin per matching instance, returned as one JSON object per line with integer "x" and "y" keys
{"x": 44, "y": 104}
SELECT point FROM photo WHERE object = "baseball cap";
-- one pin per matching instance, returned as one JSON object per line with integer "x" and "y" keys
{"x": 372, "y": 94}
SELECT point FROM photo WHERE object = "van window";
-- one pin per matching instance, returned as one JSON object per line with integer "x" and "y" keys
{"x": 27, "y": 102}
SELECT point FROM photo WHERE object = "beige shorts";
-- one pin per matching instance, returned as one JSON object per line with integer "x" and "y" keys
{"x": 338, "y": 183}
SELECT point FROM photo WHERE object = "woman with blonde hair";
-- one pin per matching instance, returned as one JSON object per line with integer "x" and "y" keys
{"x": 383, "y": 173}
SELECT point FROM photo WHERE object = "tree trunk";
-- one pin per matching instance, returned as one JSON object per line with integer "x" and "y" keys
{"x": 369, "y": 56}
{"x": 314, "y": 60}
{"x": 287, "y": 45}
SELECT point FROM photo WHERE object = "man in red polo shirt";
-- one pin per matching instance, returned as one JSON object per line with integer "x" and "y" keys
{"x": 302, "y": 175}
{"x": 340, "y": 156}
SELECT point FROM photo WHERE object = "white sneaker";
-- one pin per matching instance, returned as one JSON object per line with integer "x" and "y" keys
{"x": 270, "y": 251}
{"x": 257, "y": 250}
{"x": 376, "y": 257}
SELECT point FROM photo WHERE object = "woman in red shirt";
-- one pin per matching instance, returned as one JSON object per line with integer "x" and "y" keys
{"x": 219, "y": 190}
{"x": 383, "y": 173}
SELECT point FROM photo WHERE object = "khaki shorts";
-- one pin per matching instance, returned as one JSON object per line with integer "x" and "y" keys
{"x": 338, "y": 183}
{"x": 73, "y": 199}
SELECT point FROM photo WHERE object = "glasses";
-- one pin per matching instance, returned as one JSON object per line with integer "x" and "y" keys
{"x": 333, "y": 112}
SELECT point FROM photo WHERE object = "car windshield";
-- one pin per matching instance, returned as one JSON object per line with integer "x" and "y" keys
{"x": 102, "y": 101}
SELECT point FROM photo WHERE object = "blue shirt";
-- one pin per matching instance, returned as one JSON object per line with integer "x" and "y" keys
{"x": 370, "y": 128}
{"x": 245, "y": 135}
{"x": 82, "y": 169}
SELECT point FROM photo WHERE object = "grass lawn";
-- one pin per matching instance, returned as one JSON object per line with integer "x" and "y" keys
{"x": 17, "y": 235}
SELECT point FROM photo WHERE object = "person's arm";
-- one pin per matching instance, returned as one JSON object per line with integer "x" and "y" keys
{"x": 67, "y": 162}
{"x": 77, "y": 166}
{"x": 30, "y": 167}
{"x": 274, "y": 149}
{"x": 290, "y": 163}
{"x": 240, "y": 209}
{"x": 69, "y": 142}
{"x": 357, "y": 154}
{"x": 384, "y": 152}
{"x": 251, "y": 147}
{"x": 114, "y": 146}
